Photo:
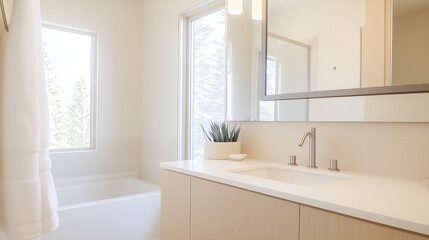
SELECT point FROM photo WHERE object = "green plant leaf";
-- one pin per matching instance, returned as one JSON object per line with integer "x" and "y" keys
{"x": 236, "y": 134}
{"x": 206, "y": 136}
{"x": 219, "y": 132}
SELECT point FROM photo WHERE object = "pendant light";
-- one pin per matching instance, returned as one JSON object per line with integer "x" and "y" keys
{"x": 257, "y": 9}
{"x": 235, "y": 7}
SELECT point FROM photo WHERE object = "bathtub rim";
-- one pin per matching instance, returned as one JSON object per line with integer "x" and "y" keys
{"x": 108, "y": 200}
{"x": 65, "y": 183}
{"x": 80, "y": 180}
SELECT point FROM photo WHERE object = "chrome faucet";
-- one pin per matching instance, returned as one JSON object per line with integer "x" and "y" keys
{"x": 312, "y": 147}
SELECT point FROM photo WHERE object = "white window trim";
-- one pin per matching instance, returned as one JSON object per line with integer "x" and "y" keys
{"x": 93, "y": 90}
{"x": 184, "y": 86}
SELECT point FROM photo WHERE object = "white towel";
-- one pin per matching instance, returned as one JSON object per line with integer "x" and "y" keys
{"x": 28, "y": 201}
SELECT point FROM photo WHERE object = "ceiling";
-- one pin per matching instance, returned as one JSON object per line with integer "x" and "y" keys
{"x": 281, "y": 5}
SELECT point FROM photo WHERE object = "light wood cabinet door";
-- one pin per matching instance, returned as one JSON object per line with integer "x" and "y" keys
{"x": 317, "y": 224}
{"x": 175, "y": 206}
{"x": 375, "y": 40}
{"x": 222, "y": 212}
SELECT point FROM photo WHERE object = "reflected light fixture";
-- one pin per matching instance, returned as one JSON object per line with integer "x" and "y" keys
{"x": 257, "y": 9}
{"x": 235, "y": 7}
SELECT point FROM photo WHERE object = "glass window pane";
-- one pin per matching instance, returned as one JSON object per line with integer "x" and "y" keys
{"x": 267, "y": 108}
{"x": 207, "y": 76}
{"x": 68, "y": 66}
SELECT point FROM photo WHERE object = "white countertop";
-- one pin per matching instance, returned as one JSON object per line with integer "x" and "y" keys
{"x": 397, "y": 202}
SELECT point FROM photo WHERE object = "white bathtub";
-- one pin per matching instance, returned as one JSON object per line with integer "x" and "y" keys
{"x": 107, "y": 208}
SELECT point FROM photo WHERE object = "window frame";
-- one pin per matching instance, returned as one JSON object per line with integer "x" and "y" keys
{"x": 93, "y": 86}
{"x": 185, "y": 73}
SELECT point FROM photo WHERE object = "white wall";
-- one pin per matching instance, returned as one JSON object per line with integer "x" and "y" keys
{"x": 161, "y": 82}
{"x": 240, "y": 41}
{"x": 119, "y": 25}
{"x": 347, "y": 109}
{"x": 395, "y": 149}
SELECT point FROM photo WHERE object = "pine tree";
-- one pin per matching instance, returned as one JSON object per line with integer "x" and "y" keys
{"x": 209, "y": 74}
{"x": 210, "y": 67}
{"x": 79, "y": 111}
{"x": 58, "y": 120}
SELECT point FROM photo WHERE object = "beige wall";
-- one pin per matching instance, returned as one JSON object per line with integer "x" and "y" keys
{"x": 119, "y": 25}
{"x": 411, "y": 48}
{"x": 403, "y": 108}
{"x": 390, "y": 149}
{"x": 394, "y": 149}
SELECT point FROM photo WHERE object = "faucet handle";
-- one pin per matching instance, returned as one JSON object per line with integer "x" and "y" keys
{"x": 334, "y": 165}
{"x": 292, "y": 160}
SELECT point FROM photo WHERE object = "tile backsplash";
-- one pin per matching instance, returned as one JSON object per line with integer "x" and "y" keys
{"x": 389, "y": 149}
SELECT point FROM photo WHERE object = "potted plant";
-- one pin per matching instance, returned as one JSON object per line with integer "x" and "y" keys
{"x": 220, "y": 141}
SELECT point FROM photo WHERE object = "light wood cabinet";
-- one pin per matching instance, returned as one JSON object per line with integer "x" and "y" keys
{"x": 317, "y": 224}
{"x": 175, "y": 206}
{"x": 198, "y": 209}
{"x": 376, "y": 37}
{"x": 223, "y": 212}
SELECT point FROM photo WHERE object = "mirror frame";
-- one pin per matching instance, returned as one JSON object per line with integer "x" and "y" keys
{"x": 400, "y": 89}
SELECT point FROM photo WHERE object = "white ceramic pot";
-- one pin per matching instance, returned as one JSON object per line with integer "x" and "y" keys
{"x": 221, "y": 150}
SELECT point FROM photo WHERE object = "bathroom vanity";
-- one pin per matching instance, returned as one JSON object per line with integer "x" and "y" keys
{"x": 328, "y": 60}
{"x": 211, "y": 199}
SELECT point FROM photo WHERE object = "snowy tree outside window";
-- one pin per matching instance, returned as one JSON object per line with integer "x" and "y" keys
{"x": 207, "y": 76}
{"x": 68, "y": 57}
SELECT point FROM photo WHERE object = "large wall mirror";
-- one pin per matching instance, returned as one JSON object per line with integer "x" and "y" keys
{"x": 330, "y": 58}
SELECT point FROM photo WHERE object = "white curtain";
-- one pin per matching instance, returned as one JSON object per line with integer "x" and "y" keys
{"x": 28, "y": 201}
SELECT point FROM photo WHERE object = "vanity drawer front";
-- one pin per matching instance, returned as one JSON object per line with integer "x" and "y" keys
{"x": 317, "y": 224}
{"x": 175, "y": 206}
{"x": 224, "y": 212}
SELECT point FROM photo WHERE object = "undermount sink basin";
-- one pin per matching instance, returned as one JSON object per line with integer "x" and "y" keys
{"x": 302, "y": 178}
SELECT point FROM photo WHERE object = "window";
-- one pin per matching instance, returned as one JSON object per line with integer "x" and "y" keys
{"x": 69, "y": 56}
{"x": 206, "y": 76}
{"x": 268, "y": 110}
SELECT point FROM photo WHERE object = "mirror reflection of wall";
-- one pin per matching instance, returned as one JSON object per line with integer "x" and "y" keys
{"x": 383, "y": 108}
{"x": 410, "y": 42}
{"x": 243, "y": 61}
{"x": 356, "y": 43}
{"x": 288, "y": 65}
{"x": 317, "y": 45}
{"x": 331, "y": 31}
